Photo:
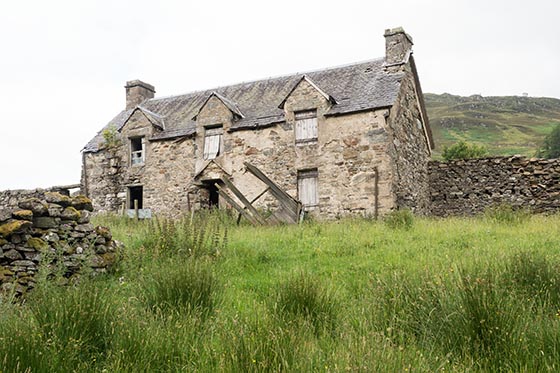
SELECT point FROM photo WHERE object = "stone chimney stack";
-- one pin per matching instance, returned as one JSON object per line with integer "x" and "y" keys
{"x": 397, "y": 45}
{"x": 137, "y": 92}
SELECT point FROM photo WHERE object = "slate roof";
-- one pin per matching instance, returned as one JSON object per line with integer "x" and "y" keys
{"x": 357, "y": 87}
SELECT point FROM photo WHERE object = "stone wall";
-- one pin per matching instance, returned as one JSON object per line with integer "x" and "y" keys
{"x": 11, "y": 198}
{"x": 466, "y": 187}
{"x": 51, "y": 229}
{"x": 410, "y": 148}
{"x": 349, "y": 149}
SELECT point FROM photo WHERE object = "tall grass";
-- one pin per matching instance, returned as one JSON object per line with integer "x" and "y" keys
{"x": 441, "y": 295}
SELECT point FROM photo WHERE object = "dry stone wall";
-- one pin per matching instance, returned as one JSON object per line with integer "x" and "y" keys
{"x": 52, "y": 229}
{"x": 466, "y": 187}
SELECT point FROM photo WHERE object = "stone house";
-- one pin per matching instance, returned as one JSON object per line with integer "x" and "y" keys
{"x": 346, "y": 140}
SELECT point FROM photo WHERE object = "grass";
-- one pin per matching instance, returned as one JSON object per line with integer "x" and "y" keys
{"x": 456, "y": 294}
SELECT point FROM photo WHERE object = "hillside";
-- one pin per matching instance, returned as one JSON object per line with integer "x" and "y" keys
{"x": 506, "y": 125}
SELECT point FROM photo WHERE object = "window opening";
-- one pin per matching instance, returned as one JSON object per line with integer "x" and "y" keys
{"x": 306, "y": 126}
{"x": 212, "y": 142}
{"x": 137, "y": 148}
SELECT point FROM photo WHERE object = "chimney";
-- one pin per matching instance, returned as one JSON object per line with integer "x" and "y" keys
{"x": 137, "y": 92}
{"x": 397, "y": 45}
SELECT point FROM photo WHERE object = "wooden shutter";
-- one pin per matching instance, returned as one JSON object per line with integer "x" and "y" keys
{"x": 212, "y": 141}
{"x": 307, "y": 188}
{"x": 306, "y": 126}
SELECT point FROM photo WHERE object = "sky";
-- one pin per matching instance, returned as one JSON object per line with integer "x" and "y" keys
{"x": 64, "y": 63}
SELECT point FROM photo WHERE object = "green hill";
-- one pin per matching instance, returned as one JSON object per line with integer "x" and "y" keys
{"x": 505, "y": 125}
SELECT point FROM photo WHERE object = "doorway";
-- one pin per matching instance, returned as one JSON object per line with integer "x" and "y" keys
{"x": 211, "y": 197}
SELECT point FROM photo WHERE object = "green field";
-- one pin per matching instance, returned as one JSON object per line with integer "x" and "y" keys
{"x": 457, "y": 294}
{"x": 505, "y": 125}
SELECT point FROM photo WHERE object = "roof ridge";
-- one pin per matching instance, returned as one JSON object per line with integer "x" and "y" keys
{"x": 155, "y": 99}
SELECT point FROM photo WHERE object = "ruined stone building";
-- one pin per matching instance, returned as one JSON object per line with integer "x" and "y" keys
{"x": 346, "y": 140}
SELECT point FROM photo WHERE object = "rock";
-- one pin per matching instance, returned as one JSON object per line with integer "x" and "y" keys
{"x": 82, "y": 203}
{"x": 55, "y": 210}
{"x": 104, "y": 232}
{"x": 70, "y": 213}
{"x": 45, "y": 222}
{"x": 84, "y": 228}
{"x": 85, "y": 216}
{"x": 51, "y": 237}
{"x": 3, "y": 241}
{"x": 37, "y": 243}
{"x": 5, "y": 215}
{"x": 38, "y": 207}
{"x": 23, "y": 263}
{"x": 23, "y": 215}
{"x": 13, "y": 255}
{"x": 14, "y": 227}
{"x": 58, "y": 198}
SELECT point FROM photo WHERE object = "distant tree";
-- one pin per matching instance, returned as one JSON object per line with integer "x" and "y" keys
{"x": 551, "y": 144}
{"x": 463, "y": 150}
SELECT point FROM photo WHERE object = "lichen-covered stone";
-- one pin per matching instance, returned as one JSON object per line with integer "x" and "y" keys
{"x": 23, "y": 214}
{"x": 38, "y": 207}
{"x": 5, "y": 214}
{"x": 13, "y": 226}
{"x": 81, "y": 202}
{"x": 85, "y": 217}
{"x": 70, "y": 213}
{"x": 45, "y": 222}
{"x": 37, "y": 243}
{"x": 3, "y": 241}
{"x": 55, "y": 210}
{"x": 13, "y": 255}
{"x": 58, "y": 198}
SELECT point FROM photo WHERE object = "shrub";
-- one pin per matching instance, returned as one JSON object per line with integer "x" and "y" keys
{"x": 551, "y": 144}
{"x": 399, "y": 219}
{"x": 463, "y": 150}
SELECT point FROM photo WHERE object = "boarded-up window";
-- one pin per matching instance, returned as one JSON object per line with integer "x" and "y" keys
{"x": 137, "y": 150}
{"x": 212, "y": 140}
{"x": 306, "y": 126}
{"x": 307, "y": 188}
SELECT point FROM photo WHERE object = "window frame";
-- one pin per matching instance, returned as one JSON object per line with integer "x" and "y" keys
{"x": 137, "y": 157}
{"x": 214, "y": 131}
{"x": 306, "y": 121}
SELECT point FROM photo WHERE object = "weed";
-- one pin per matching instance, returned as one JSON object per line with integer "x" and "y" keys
{"x": 187, "y": 286}
{"x": 506, "y": 214}
{"x": 303, "y": 295}
{"x": 399, "y": 219}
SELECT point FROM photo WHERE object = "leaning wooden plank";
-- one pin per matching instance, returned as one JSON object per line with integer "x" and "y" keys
{"x": 252, "y": 210}
{"x": 239, "y": 209}
{"x": 283, "y": 215}
{"x": 253, "y": 201}
{"x": 283, "y": 197}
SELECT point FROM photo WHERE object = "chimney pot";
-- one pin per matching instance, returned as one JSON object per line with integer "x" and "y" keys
{"x": 137, "y": 92}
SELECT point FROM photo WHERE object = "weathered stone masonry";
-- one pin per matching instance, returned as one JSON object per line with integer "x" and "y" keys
{"x": 52, "y": 229}
{"x": 467, "y": 187}
{"x": 369, "y": 156}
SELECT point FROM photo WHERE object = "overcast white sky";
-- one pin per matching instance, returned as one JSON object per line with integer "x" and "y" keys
{"x": 63, "y": 63}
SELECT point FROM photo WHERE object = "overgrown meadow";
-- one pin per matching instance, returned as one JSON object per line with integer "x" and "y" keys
{"x": 202, "y": 294}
